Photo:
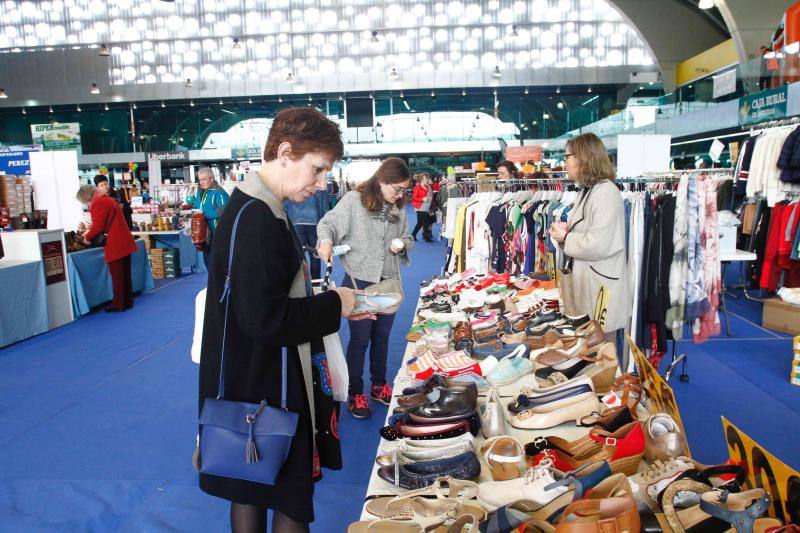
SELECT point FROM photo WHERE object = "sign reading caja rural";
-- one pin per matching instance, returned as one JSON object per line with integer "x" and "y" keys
{"x": 766, "y": 105}
{"x": 57, "y": 136}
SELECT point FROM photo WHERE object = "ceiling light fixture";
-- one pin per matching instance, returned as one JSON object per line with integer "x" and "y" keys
{"x": 134, "y": 106}
{"x": 496, "y": 72}
{"x": 249, "y": 100}
{"x": 394, "y": 74}
{"x": 188, "y": 82}
{"x": 220, "y": 101}
{"x": 558, "y": 90}
{"x": 105, "y": 107}
{"x": 560, "y": 105}
{"x": 51, "y": 109}
{"x": 433, "y": 94}
{"x": 289, "y": 78}
{"x": 191, "y": 103}
{"x": 374, "y": 38}
{"x": 104, "y": 51}
{"x": 589, "y": 90}
{"x": 514, "y": 32}
{"x": 341, "y": 97}
{"x": 401, "y": 96}
{"x": 236, "y": 44}
{"x": 3, "y": 93}
{"x": 526, "y": 90}
{"x": 280, "y": 99}
{"x": 309, "y": 97}
{"x": 545, "y": 116}
{"x": 706, "y": 4}
{"x": 78, "y": 108}
{"x": 95, "y": 89}
{"x": 24, "y": 112}
{"x": 463, "y": 92}
{"x": 163, "y": 104}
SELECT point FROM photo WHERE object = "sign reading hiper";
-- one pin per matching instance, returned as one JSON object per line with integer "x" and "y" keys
{"x": 765, "y": 471}
{"x": 766, "y": 105}
{"x": 57, "y": 136}
{"x": 168, "y": 156}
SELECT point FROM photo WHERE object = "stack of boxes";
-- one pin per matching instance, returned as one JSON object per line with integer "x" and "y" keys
{"x": 165, "y": 262}
{"x": 157, "y": 262}
{"x": 15, "y": 195}
{"x": 795, "y": 379}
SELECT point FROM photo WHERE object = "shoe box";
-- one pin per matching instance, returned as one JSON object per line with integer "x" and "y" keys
{"x": 795, "y": 377}
{"x": 157, "y": 262}
{"x": 781, "y": 316}
{"x": 172, "y": 263}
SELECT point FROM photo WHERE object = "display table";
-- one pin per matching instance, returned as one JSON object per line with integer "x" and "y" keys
{"x": 726, "y": 258}
{"x": 191, "y": 257}
{"x": 23, "y": 300}
{"x": 91, "y": 283}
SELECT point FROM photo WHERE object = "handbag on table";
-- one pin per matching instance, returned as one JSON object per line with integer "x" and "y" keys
{"x": 243, "y": 440}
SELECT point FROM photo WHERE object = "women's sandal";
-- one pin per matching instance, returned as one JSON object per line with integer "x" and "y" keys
{"x": 445, "y": 487}
{"x": 663, "y": 438}
{"x": 741, "y": 510}
{"x": 414, "y": 514}
{"x": 601, "y": 366}
{"x": 503, "y": 454}
{"x": 627, "y": 392}
{"x": 600, "y": 516}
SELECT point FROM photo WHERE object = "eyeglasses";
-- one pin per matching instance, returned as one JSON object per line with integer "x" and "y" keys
{"x": 399, "y": 190}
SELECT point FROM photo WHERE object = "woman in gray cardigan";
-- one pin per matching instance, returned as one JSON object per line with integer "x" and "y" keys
{"x": 593, "y": 238}
{"x": 370, "y": 220}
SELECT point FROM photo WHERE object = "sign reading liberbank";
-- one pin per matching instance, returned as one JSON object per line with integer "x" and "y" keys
{"x": 168, "y": 156}
{"x": 766, "y": 105}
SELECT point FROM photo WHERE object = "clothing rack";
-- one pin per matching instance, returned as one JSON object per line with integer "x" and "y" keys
{"x": 779, "y": 123}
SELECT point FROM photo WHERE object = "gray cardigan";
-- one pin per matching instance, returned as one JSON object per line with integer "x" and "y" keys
{"x": 369, "y": 236}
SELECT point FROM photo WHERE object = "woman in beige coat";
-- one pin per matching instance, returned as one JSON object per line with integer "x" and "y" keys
{"x": 593, "y": 238}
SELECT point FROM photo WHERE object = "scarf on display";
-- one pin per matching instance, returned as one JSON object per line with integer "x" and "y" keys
{"x": 679, "y": 266}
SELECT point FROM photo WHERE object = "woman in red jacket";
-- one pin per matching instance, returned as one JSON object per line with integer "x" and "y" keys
{"x": 107, "y": 219}
{"x": 421, "y": 199}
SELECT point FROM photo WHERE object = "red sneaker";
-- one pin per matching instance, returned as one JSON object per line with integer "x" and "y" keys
{"x": 381, "y": 393}
{"x": 358, "y": 406}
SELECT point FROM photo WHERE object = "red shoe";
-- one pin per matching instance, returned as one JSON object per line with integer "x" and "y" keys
{"x": 381, "y": 393}
{"x": 359, "y": 406}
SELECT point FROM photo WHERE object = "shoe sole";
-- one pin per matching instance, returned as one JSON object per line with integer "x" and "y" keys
{"x": 380, "y": 400}
{"x": 360, "y": 417}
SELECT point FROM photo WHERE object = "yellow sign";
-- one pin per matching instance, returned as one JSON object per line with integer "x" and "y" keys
{"x": 705, "y": 63}
{"x": 658, "y": 396}
{"x": 601, "y": 305}
{"x": 765, "y": 471}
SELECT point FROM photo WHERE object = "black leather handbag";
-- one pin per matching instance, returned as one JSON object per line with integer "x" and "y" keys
{"x": 242, "y": 440}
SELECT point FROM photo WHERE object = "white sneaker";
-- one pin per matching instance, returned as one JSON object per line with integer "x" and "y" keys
{"x": 531, "y": 486}
{"x": 646, "y": 486}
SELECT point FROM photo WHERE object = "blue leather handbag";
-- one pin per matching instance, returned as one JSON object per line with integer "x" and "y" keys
{"x": 242, "y": 440}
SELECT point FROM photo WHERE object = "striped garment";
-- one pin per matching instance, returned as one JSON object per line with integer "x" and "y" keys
{"x": 696, "y": 298}
{"x": 428, "y": 360}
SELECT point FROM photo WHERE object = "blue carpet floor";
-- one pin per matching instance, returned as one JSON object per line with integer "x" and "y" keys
{"x": 97, "y": 418}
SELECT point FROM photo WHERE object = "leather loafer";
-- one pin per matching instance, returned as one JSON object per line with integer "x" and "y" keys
{"x": 446, "y": 404}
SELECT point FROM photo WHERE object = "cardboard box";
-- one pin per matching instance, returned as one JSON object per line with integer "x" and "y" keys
{"x": 796, "y": 344}
{"x": 781, "y": 316}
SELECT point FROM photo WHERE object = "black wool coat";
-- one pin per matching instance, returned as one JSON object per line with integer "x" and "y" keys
{"x": 262, "y": 318}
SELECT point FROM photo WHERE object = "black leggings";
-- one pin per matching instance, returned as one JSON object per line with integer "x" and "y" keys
{"x": 424, "y": 222}
{"x": 251, "y": 519}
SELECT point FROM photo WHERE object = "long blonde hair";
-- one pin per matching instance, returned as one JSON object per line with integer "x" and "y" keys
{"x": 594, "y": 165}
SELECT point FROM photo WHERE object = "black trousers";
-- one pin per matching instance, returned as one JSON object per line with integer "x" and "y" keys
{"x": 423, "y": 221}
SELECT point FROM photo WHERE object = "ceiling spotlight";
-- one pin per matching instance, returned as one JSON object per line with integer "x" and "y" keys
{"x": 706, "y": 4}
{"x": 545, "y": 116}
{"x": 104, "y": 51}
{"x": 3, "y": 93}
{"x": 95, "y": 89}
{"x": 401, "y": 96}
{"x": 105, "y": 107}
{"x": 371, "y": 96}
{"x": 560, "y": 105}
{"x": 220, "y": 101}
{"x": 188, "y": 82}
{"x": 496, "y": 72}
{"x": 374, "y": 38}
{"x": 558, "y": 90}
{"x": 280, "y": 99}
{"x": 526, "y": 90}
{"x": 589, "y": 90}
{"x": 249, "y": 100}
{"x": 24, "y": 112}
{"x": 163, "y": 104}
{"x": 463, "y": 92}
{"x": 309, "y": 97}
{"x": 514, "y": 32}
{"x": 534, "y": 123}
{"x": 78, "y": 108}
{"x": 51, "y": 109}
{"x": 341, "y": 97}
{"x": 134, "y": 106}
{"x": 289, "y": 78}
{"x": 191, "y": 103}
{"x": 236, "y": 44}
{"x": 433, "y": 94}
{"x": 394, "y": 74}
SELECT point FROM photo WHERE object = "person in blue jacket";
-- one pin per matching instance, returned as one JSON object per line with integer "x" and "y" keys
{"x": 305, "y": 216}
{"x": 210, "y": 199}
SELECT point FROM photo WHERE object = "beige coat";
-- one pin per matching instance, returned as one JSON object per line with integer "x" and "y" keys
{"x": 596, "y": 242}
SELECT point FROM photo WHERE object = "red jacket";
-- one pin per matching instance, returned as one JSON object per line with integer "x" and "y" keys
{"x": 418, "y": 196}
{"x": 107, "y": 218}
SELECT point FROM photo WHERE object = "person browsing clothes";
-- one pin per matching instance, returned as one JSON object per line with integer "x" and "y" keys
{"x": 593, "y": 237}
{"x": 372, "y": 221}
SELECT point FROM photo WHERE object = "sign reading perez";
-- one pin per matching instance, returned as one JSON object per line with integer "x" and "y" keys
{"x": 168, "y": 156}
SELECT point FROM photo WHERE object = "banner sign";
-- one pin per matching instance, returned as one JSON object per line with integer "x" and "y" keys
{"x": 765, "y": 471}
{"x": 246, "y": 152}
{"x": 766, "y": 105}
{"x": 53, "y": 257}
{"x": 523, "y": 154}
{"x": 724, "y": 83}
{"x": 16, "y": 163}
{"x": 658, "y": 396}
{"x": 168, "y": 156}
{"x": 57, "y": 136}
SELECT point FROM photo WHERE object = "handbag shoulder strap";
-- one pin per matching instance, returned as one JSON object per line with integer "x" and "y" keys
{"x": 226, "y": 297}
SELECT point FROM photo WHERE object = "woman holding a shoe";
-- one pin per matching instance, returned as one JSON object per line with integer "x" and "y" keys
{"x": 372, "y": 221}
